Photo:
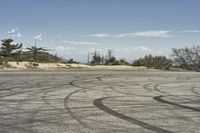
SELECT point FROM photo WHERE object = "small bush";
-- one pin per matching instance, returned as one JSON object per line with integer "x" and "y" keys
{"x": 124, "y": 62}
{"x": 31, "y": 65}
{"x": 112, "y": 61}
{"x": 116, "y": 62}
{"x": 71, "y": 61}
{"x": 35, "y": 64}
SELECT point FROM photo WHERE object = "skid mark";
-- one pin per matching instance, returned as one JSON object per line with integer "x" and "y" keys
{"x": 98, "y": 103}
{"x": 159, "y": 99}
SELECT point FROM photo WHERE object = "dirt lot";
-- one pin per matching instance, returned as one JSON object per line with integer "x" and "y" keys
{"x": 99, "y": 102}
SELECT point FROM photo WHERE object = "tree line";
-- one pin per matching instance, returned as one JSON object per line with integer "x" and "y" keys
{"x": 108, "y": 59}
{"x": 186, "y": 58}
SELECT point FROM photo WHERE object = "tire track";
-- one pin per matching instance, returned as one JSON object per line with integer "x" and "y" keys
{"x": 66, "y": 100}
{"x": 158, "y": 90}
{"x": 128, "y": 94}
{"x": 156, "y": 87}
{"x": 169, "y": 94}
{"x": 194, "y": 91}
{"x": 159, "y": 99}
{"x": 146, "y": 86}
{"x": 98, "y": 103}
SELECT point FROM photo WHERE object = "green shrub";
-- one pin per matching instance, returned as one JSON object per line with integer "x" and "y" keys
{"x": 71, "y": 61}
{"x": 157, "y": 62}
{"x": 111, "y": 61}
{"x": 35, "y": 64}
{"x": 123, "y": 62}
{"x": 116, "y": 62}
{"x": 31, "y": 65}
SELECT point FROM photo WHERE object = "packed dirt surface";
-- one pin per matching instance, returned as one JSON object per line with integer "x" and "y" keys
{"x": 99, "y": 102}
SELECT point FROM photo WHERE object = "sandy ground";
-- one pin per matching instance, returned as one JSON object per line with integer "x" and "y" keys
{"x": 61, "y": 66}
{"x": 99, "y": 102}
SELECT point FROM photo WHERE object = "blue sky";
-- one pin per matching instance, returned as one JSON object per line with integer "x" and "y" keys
{"x": 132, "y": 28}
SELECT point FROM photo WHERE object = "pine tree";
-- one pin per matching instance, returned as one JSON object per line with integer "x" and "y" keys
{"x": 9, "y": 50}
{"x": 34, "y": 50}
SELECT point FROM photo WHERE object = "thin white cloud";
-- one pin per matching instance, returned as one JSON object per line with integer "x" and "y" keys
{"x": 79, "y": 43}
{"x": 57, "y": 37}
{"x": 100, "y": 35}
{"x": 19, "y": 35}
{"x": 137, "y": 49}
{"x": 160, "y": 34}
{"x": 13, "y": 31}
{"x": 189, "y": 31}
{"x": 153, "y": 33}
{"x": 126, "y": 35}
{"x": 38, "y": 37}
{"x": 63, "y": 49}
{"x": 142, "y": 48}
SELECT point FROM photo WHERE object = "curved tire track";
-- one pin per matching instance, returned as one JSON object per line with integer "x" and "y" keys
{"x": 159, "y": 99}
{"x": 68, "y": 108}
{"x": 98, "y": 103}
{"x": 66, "y": 100}
{"x": 194, "y": 91}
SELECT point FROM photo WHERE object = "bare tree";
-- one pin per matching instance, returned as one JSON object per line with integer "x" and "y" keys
{"x": 110, "y": 54}
{"x": 188, "y": 58}
{"x": 102, "y": 59}
{"x": 88, "y": 58}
